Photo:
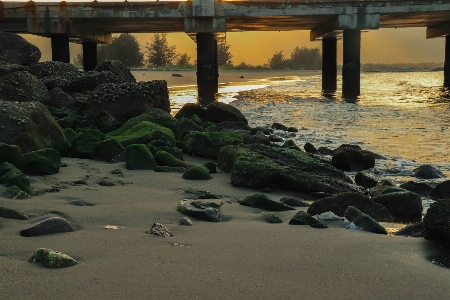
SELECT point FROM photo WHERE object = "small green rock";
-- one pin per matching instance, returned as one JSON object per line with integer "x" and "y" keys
{"x": 40, "y": 162}
{"x": 52, "y": 259}
{"x": 9, "y": 153}
{"x": 303, "y": 218}
{"x": 196, "y": 173}
{"x": 164, "y": 158}
{"x": 10, "y": 175}
{"x": 271, "y": 218}
{"x": 139, "y": 157}
{"x": 263, "y": 202}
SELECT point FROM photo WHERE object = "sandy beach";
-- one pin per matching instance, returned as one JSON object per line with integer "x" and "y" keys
{"x": 240, "y": 258}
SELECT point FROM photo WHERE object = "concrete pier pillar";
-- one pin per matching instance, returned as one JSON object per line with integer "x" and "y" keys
{"x": 351, "y": 67}
{"x": 89, "y": 55}
{"x": 329, "y": 64}
{"x": 447, "y": 62}
{"x": 206, "y": 74}
{"x": 60, "y": 48}
{"x": 216, "y": 67}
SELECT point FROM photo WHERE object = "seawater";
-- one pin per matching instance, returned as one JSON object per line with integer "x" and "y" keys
{"x": 404, "y": 116}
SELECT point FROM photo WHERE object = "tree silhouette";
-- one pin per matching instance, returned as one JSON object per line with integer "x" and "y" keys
{"x": 78, "y": 59}
{"x": 124, "y": 48}
{"x": 305, "y": 58}
{"x": 223, "y": 54}
{"x": 277, "y": 61}
{"x": 183, "y": 60}
{"x": 159, "y": 53}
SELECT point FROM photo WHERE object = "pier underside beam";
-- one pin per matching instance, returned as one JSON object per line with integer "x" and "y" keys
{"x": 89, "y": 55}
{"x": 351, "y": 64}
{"x": 206, "y": 73}
{"x": 346, "y": 22}
{"x": 60, "y": 48}
{"x": 329, "y": 64}
{"x": 440, "y": 30}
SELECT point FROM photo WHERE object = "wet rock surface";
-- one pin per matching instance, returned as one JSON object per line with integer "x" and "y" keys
{"x": 49, "y": 226}
{"x": 201, "y": 209}
{"x": 14, "y": 49}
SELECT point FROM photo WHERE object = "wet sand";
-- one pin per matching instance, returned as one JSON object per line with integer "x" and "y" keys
{"x": 240, "y": 258}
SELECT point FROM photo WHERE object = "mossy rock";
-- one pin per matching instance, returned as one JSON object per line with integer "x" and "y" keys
{"x": 403, "y": 205}
{"x": 40, "y": 162}
{"x": 151, "y": 148}
{"x": 139, "y": 157}
{"x": 187, "y": 125}
{"x": 144, "y": 132}
{"x": 70, "y": 134}
{"x": 190, "y": 109}
{"x": 108, "y": 149}
{"x": 172, "y": 150}
{"x": 208, "y": 144}
{"x": 211, "y": 166}
{"x": 159, "y": 143}
{"x": 436, "y": 222}
{"x": 271, "y": 218}
{"x": 10, "y": 176}
{"x": 197, "y": 173}
{"x": 15, "y": 192}
{"x": 203, "y": 194}
{"x": 164, "y": 158}
{"x": 290, "y": 144}
{"x": 156, "y": 116}
{"x": 303, "y": 218}
{"x": 363, "y": 220}
{"x": 263, "y": 202}
{"x": 196, "y": 119}
{"x": 9, "y": 213}
{"x": 84, "y": 144}
{"x": 52, "y": 259}
{"x": 9, "y": 153}
{"x": 200, "y": 209}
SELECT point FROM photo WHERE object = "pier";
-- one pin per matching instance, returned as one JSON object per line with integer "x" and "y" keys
{"x": 206, "y": 21}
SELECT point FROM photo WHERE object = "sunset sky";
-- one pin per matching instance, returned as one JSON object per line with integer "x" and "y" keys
{"x": 379, "y": 46}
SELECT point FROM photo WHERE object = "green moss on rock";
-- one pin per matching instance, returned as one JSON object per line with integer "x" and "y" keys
{"x": 40, "y": 162}
{"x": 52, "y": 259}
{"x": 303, "y": 218}
{"x": 437, "y": 222}
{"x": 166, "y": 169}
{"x": 10, "y": 176}
{"x": 263, "y": 202}
{"x": 271, "y": 218}
{"x": 9, "y": 153}
{"x": 15, "y": 192}
{"x": 108, "y": 149}
{"x": 197, "y": 173}
{"x": 70, "y": 134}
{"x": 172, "y": 150}
{"x": 84, "y": 144}
{"x": 139, "y": 157}
{"x": 144, "y": 132}
{"x": 207, "y": 144}
{"x": 164, "y": 158}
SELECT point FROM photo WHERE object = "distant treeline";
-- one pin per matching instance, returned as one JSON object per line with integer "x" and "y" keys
{"x": 401, "y": 66}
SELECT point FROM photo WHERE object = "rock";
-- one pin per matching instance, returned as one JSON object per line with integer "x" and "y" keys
{"x": 271, "y": 218}
{"x": 54, "y": 68}
{"x": 295, "y": 202}
{"x": 49, "y": 226}
{"x": 185, "y": 221}
{"x": 261, "y": 201}
{"x": 351, "y": 159}
{"x": 190, "y": 109}
{"x": 264, "y": 129}
{"x": 23, "y": 87}
{"x": 196, "y": 173}
{"x": 105, "y": 181}
{"x": 412, "y": 230}
{"x": 325, "y": 151}
{"x": 367, "y": 179}
{"x": 164, "y": 158}
{"x": 232, "y": 126}
{"x": 275, "y": 139}
{"x": 106, "y": 122}
{"x": 290, "y": 144}
{"x": 203, "y": 194}
{"x": 11, "y": 176}
{"x": 116, "y": 67}
{"x": 197, "y": 120}
{"x": 402, "y": 204}
{"x": 338, "y": 204}
{"x": 211, "y": 166}
{"x": 142, "y": 133}
{"x": 139, "y": 157}
{"x": 423, "y": 189}
{"x": 58, "y": 99}
{"x": 9, "y": 213}
{"x": 14, "y": 49}
{"x": 202, "y": 210}
{"x": 9, "y": 153}
{"x": 216, "y": 112}
{"x": 175, "y": 152}
{"x": 85, "y": 143}
{"x": 259, "y": 166}
{"x": 208, "y": 144}
{"x": 304, "y": 218}
{"x": 428, "y": 172}
{"x": 109, "y": 149}
{"x": 177, "y": 75}
{"x": 127, "y": 100}
{"x": 310, "y": 148}
{"x": 160, "y": 230}
{"x": 40, "y": 162}
{"x": 363, "y": 220}
{"x": 279, "y": 126}
{"x": 169, "y": 169}
{"x": 31, "y": 127}
{"x": 292, "y": 129}
{"x": 436, "y": 222}
{"x": 6, "y": 69}
{"x": 441, "y": 190}
{"x": 15, "y": 192}
{"x": 52, "y": 259}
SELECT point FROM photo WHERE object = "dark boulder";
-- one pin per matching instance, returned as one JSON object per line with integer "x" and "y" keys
{"x": 436, "y": 222}
{"x": 11, "y": 176}
{"x": 352, "y": 159}
{"x": 428, "y": 172}
{"x": 367, "y": 179}
{"x": 9, "y": 213}
{"x": 58, "y": 99}
{"x": 85, "y": 143}
{"x": 441, "y": 190}
{"x": 55, "y": 69}
{"x": 49, "y": 226}
{"x": 422, "y": 189}
{"x": 14, "y": 49}
{"x": 279, "y": 126}
{"x": 261, "y": 201}
{"x": 116, "y": 67}
{"x": 30, "y": 126}
{"x": 108, "y": 149}
{"x": 106, "y": 122}
{"x": 412, "y": 230}
{"x": 294, "y": 201}
{"x": 325, "y": 151}
{"x": 40, "y": 162}
{"x": 23, "y": 87}
{"x": 201, "y": 209}
{"x": 259, "y": 166}
{"x": 9, "y": 153}
{"x": 190, "y": 109}
{"x": 216, "y": 112}
{"x": 364, "y": 221}
{"x": 402, "y": 204}
{"x": 208, "y": 144}
{"x": 339, "y": 203}
{"x": 310, "y": 148}
{"x": 11, "y": 68}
